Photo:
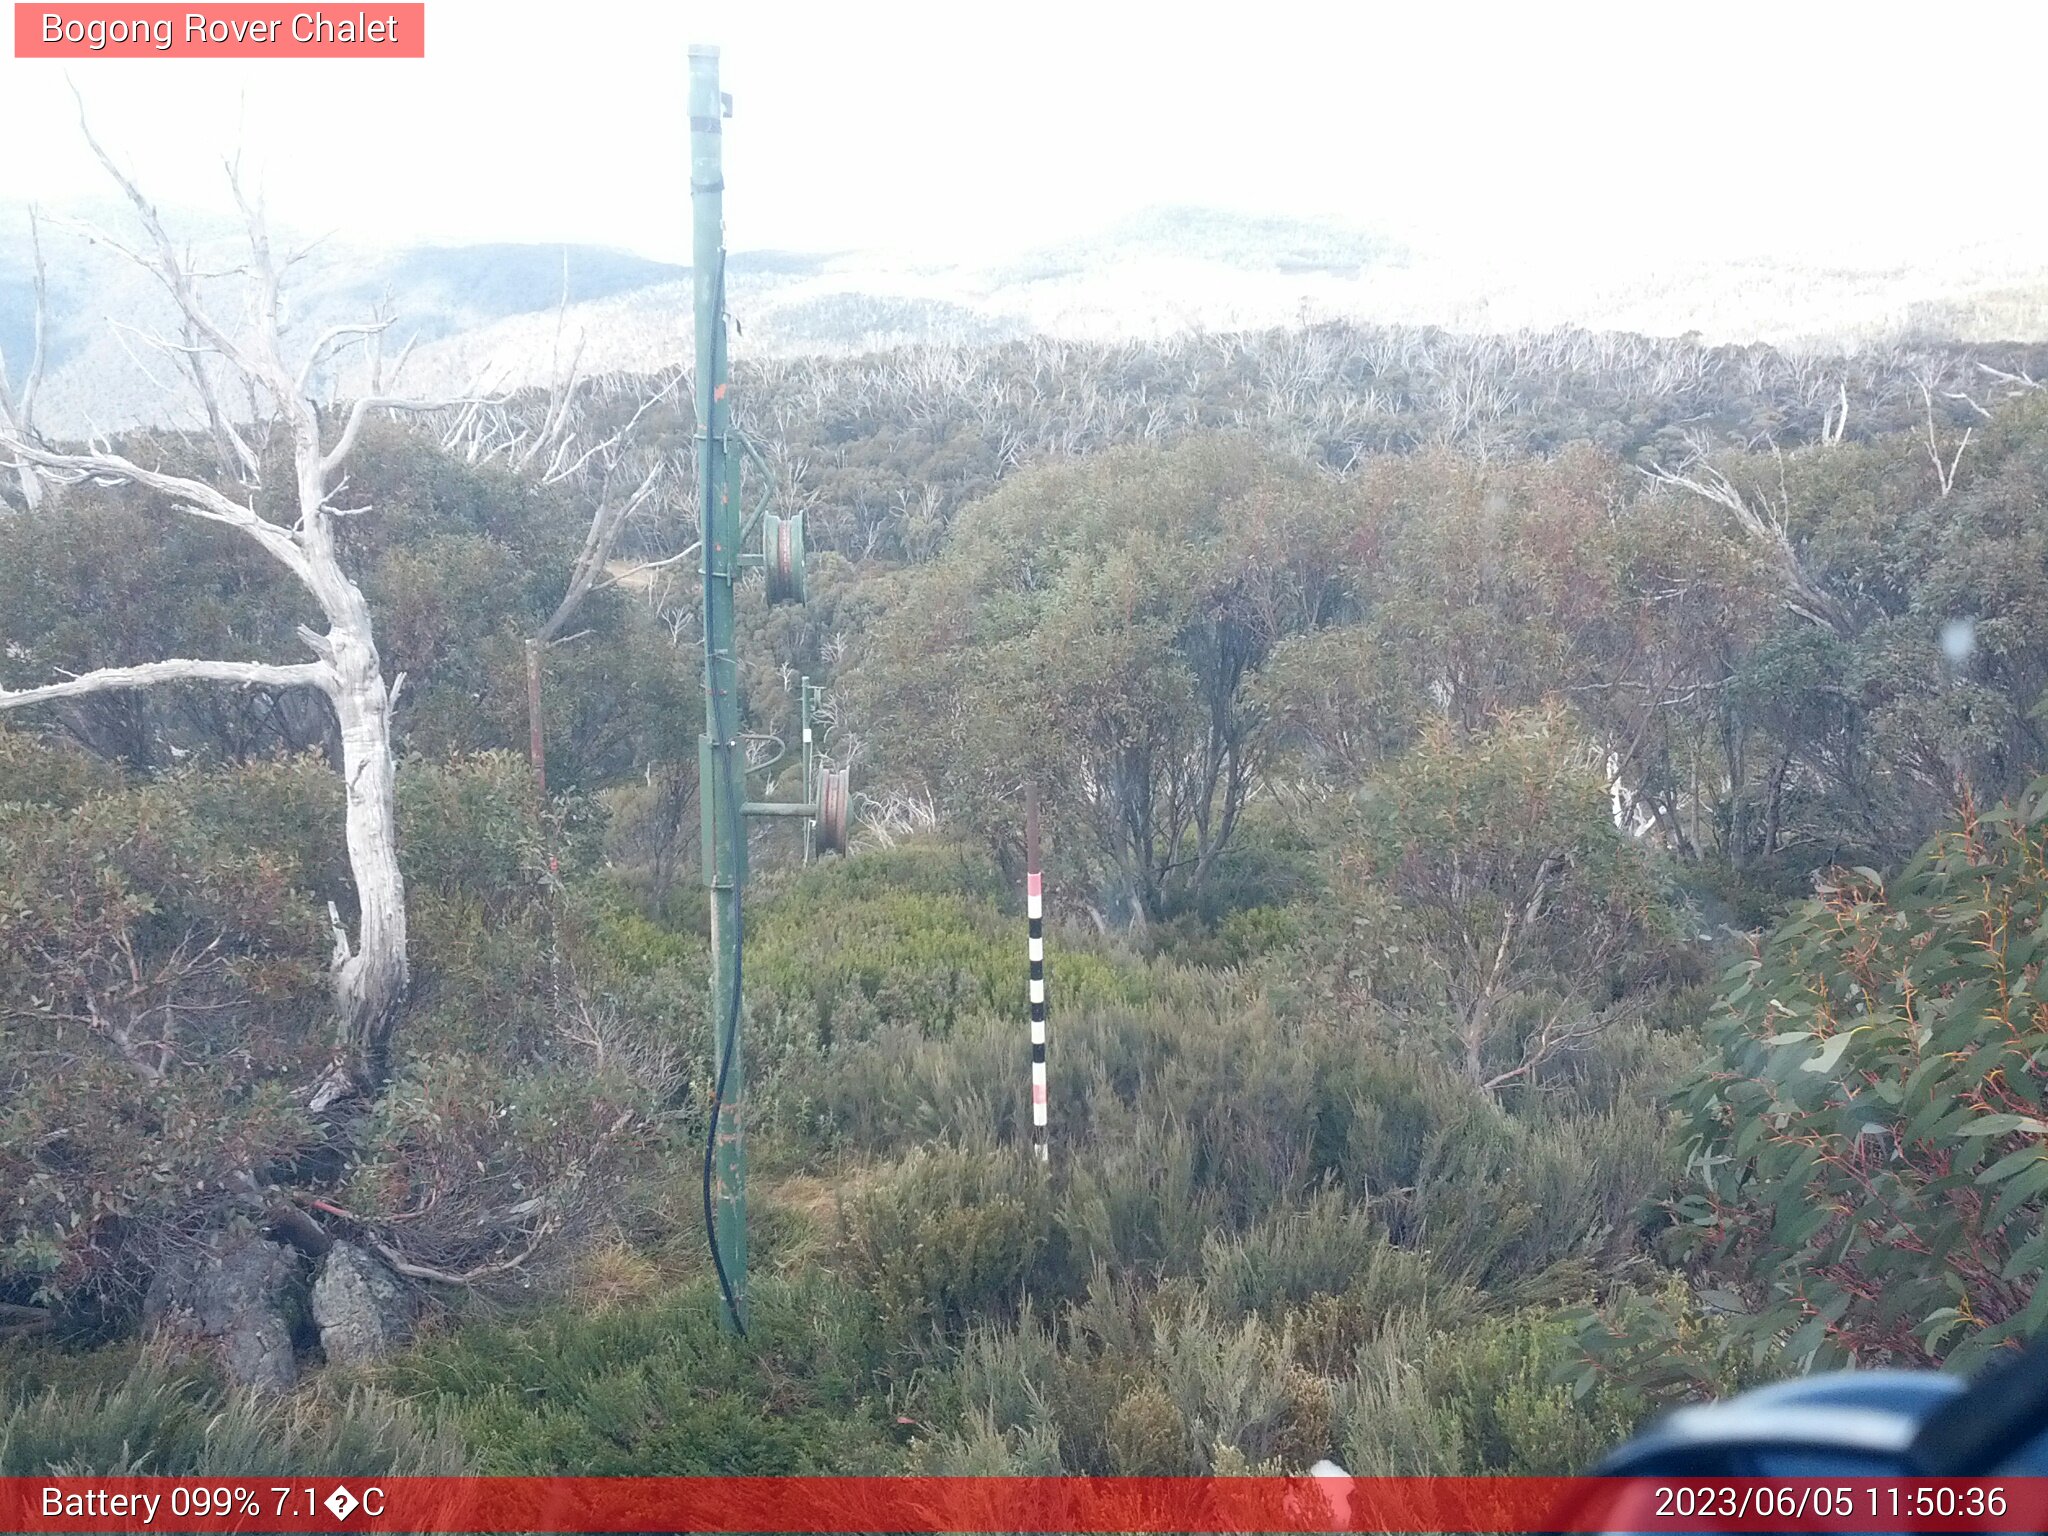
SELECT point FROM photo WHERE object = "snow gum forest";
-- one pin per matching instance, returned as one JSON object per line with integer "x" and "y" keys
{"x": 1544, "y": 845}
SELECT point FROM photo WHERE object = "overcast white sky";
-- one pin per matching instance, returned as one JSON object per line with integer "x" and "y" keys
{"x": 1559, "y": 132}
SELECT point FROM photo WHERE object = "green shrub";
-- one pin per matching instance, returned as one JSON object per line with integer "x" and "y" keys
{"x": 1241, "y": 1393}
{"x": 1148, "y": 1436}
{"x": 161, "y": 995}
{"x": 1669, "y": 1344}
{"x": 1134, "y": 1204}
{"x": 659, "y": 1388}
{"x": 1866, "y": 1168}
{"x": 1143, "y": 1382}
{"x": 981, "y": 1450}
{"x": 1326, "y": 1247}
{"x": 473, "y": 824}
{"x": 39, "y": 770}
{"x": 909, "y": 938}
{"x": 167, "y": 1419}
{"x": 1481, "y": 1398}
{"x": 954, "y": 1235}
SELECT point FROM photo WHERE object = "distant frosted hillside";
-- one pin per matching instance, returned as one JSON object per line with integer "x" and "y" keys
{"x": 491, "y": 311}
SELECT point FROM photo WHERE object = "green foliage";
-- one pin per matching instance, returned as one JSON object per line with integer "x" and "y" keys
{"x": 1326, "y": 1247}
{"x": 1482, "y": 1398}
{"x": 1513, "y": 888}
{"x": 853, "y": 953}
{"x": 1482, "y": 581}
{"x": 1498, "y": 1200}
{"x": 659, "y": 1389}
{"x": 1098, "y": 626}
{"x": 1867, "y": 1179}
{"x": 180, "y": 587}
{"x": 472, "y": 824}
{"x": 155, "y": 976}
{"x": 1345, "y": 1139}
{"x": 459, "y": 566}
{"x": 1139, "y": 1384}
{"x": 896, "y": 443}
{"x": 165, "y": 1419}
{"x": 38, "y": 772}
{"x": 882, "y": 989}
{"x": 1669, "y": 1345}
{"x": 1241, "y": 938}
{"x": 163, "y": 1001}
{"x": 955, "y": 1234}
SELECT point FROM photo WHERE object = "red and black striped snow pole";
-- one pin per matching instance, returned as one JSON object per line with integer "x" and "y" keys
{"x": 1034, "y": 914}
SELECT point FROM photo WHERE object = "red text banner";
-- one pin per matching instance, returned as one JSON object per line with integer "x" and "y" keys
{"x": 224, "y": 31}
{"x": 1018, "y": 1504}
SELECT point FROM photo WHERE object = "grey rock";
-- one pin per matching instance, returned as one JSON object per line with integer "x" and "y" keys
{"x": 237, "y": 1293}
{"x": 363, "y": 1310}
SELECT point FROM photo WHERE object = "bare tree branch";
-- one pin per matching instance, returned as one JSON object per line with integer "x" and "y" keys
{"x": 622, "y": 435}
{"x": 18, "y": 411}
{"x": 1944, "y": 473}
{"x": 371, "y": 978}
{"x": 400, "y": 1264}
{"x": 1835, "y": 420}
{"x": 166, "y": 267}
{"x": 333, "y": 334}
{"x": 605, "y": 524}
{"x": 193, "y": 496}
{"x": 649, "y": 565}
{"x": 1765, "y": 527}
{"x": 359, "y": 411}
{"x": 309, "y": 674}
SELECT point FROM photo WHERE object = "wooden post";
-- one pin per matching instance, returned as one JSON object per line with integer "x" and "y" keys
{"x": 536, "y": 744}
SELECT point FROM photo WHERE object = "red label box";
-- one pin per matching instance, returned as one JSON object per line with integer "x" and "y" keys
{"x": 225, "y": 31}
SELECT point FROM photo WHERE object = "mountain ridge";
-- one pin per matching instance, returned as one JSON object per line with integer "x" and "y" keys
{"x": 510, "y": 312}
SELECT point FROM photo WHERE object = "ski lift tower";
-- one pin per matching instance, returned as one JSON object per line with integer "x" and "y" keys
{"x": 722, "y": 766}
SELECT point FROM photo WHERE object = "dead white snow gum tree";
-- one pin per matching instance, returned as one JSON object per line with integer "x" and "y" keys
{"x": 18, "y": 403}
{"x": 371, "y": 974}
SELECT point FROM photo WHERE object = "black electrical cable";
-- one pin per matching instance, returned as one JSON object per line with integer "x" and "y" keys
{"x": 727, "y": 1050}
{"x": 728, "y": 1046}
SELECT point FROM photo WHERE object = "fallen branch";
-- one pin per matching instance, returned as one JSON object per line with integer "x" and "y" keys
{"x": 562, "y": 1198}
{"x": 406, "y": 1267}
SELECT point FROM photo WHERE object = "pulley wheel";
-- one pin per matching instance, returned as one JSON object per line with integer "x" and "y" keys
{"x": 835, "y": 806}
{"x": 782, "y": 556}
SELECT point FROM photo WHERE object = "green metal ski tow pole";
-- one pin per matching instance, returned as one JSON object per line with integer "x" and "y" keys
{"x": 826, "y": 807}
{"x": 719, "y": 786}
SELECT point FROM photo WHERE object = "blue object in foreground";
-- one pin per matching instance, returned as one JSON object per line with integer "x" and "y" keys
{"x": 1898, "y": 1423}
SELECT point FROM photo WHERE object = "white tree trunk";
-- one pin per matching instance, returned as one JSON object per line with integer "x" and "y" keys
{"x": 370, "y": 981}
{"x": 371, "y": 976}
